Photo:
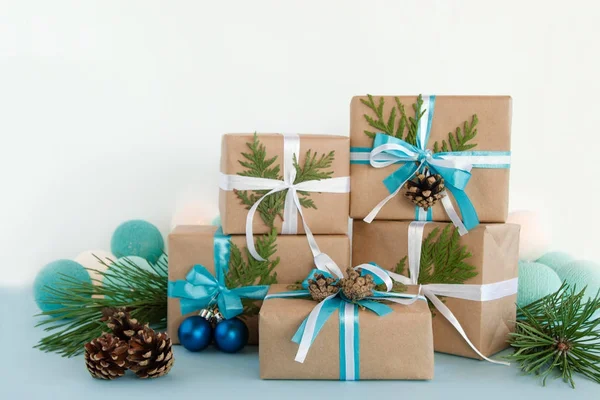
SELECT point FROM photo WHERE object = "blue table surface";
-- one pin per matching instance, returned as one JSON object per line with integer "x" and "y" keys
{"x": 28, "y": 373}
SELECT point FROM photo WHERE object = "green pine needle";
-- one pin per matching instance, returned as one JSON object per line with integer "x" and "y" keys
{"x": 559, "y": 333}
{"x": 258, "y": 165}
{"x": 124, "y": 284}
{"x": 458, "y": 141}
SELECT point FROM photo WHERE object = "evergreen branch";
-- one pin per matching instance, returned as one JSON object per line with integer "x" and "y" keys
{"x": 459, "y": 141}
{"x": 258, "y": 165}
{"x": 247, "y": 271}
{"x": 559, "y": 335}
{"x": 124, "y": 284}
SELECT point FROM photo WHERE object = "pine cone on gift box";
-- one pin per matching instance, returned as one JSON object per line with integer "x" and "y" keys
{"x": 426, "y": 190}
{"x": 150, "y": 354}
{"x": 356, "y": 287}
{"x": 321, "y": 287}
{"x": 120, "y": 322}
{"x": 106, "y": 357}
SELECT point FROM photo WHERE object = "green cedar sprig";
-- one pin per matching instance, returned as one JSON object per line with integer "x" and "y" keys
{"x": 244, "y": 270}
{"x": 124, "y": 284}
{"x": 258, "y": 165}
{"x": 457, "y": 141}
{"x": 443, "y": 259}
{"x": 559, "y": 333}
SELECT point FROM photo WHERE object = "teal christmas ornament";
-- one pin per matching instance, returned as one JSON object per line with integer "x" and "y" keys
{"x": 137, "y": 238}
{"x": 216, "y": 221}
{"x": 231, "y": 335}
{"x": 555, "y": 259}
{"x": 51, "y": 276}
{"x": 582, "y": 273}
{"x": 535, "y": 281}
{"x": 195, "y": 333}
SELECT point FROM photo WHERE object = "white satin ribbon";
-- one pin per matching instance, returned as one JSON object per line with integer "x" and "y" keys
{"x": 291, "y": 147}
{"x": 486, "y": 292}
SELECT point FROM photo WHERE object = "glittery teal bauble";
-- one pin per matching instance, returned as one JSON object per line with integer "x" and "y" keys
{"x": 137, "y": 238}
{"x": 580, "y": 274}
{"x": 555, "y": 259}
{"x": 50, "y": 276}
{"x": 231, "y": 335}
{"x": 535, "y": 281}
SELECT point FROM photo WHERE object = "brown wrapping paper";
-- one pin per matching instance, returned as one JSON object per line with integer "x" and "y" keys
{"x": 487, "y": 188}
{"x": 331, "y": 215}
{"x": 396, "y": 346}
{"x": 494, "y": 249}
{"x": 193, "y": 244}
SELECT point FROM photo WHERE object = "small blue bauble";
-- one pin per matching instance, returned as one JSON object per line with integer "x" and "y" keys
{"x": 51, "y": 276}
{"x": 137, "y": 238}
{"x": 195, "y": 333}
{"x": 231, "y": 335}
{"x": 216, "y": 221}
{"x": 582, "y": 274}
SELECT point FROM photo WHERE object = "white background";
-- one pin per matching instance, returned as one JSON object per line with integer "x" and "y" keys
{"x": 113, "y": 110}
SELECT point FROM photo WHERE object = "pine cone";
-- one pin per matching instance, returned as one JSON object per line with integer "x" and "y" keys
{"x": 425, "y": 191}
{"x": 106, "y": 357}
{"x": 321, "y": 287}
{"x": 356, "y": 287}
{"x": 150, "y": 354}
{"x": 120, "y": 322}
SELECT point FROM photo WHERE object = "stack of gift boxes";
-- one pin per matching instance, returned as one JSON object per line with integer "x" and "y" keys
{"x": 433, "y": 266}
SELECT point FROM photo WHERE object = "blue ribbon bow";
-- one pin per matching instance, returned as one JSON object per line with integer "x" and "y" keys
{"x": 201, "y": 289}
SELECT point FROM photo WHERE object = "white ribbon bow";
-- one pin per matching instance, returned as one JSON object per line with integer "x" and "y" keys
{"x": 485, "y": 292}
{"x": 292, "y": 207}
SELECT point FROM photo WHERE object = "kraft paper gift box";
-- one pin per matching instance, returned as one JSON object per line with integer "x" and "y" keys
{"x": 195, "y": 245}
{"x": 394, "y": 346}
{"x": 487, "y": 188}
{"x": 318, "y": 157}
{"x": 494, "y": 250}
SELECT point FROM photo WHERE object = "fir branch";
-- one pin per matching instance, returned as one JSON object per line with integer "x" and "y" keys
{"x": 459, "y": 141}
{"x": 244, "y": 270}
{"x": 559, "y": 333}
{"x": 124, "y": 284}
{"x": 258, "y": 165}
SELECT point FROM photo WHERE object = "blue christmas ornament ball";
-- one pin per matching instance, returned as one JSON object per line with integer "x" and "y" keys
{"x": 216, "y": 221}
{"x": 535, "y": 281}
{"x": 51, "y": 276}
{"x": 195, "y": 333}
{"x": 137, "y": 238}
{"x": 231, "y": 335}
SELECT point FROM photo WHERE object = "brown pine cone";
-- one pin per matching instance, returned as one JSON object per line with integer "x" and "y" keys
{"x": 106, "y": 357}
{"x": 321, "y": 287}
{"x": 425, "y": 191}
{"x": 120, "y": 322}
{"x": 356, "y": 287}
{"x": 150, "y": 354}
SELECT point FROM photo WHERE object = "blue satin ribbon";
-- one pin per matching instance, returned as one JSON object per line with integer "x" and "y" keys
{"x": 455, "y": 179}
{"x": 201, "y": 289}
{"x": 338, "y": 303}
